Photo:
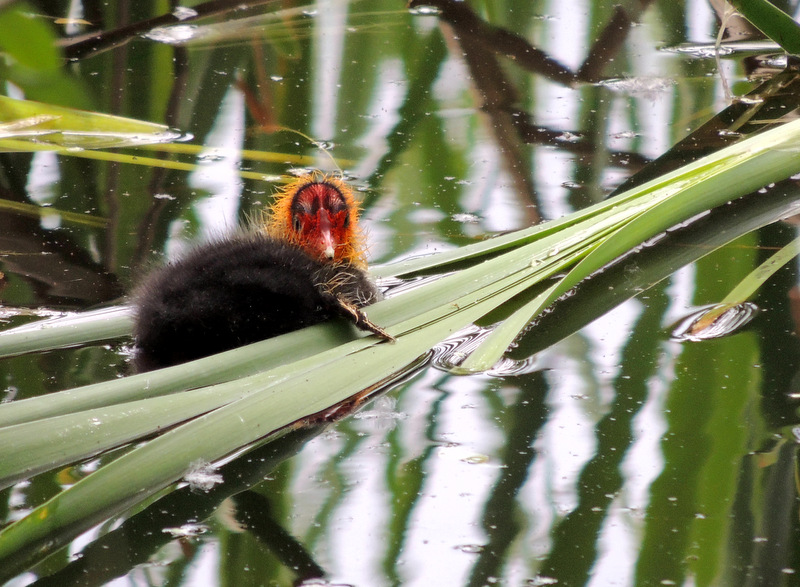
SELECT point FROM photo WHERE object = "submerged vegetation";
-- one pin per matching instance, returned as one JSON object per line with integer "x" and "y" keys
{"x": 165, "y": 449}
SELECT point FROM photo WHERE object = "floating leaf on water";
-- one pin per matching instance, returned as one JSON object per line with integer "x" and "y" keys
{"x": 714, "y": 322}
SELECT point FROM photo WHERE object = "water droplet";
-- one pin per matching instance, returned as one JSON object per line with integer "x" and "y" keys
{"x": 476, "y": 460}
{"x": 9, "y": 394}
{"x": 626, "y": 134}
{"x": 383, "y": 409}
{"x": 173, "y": 35}
{"x": 210, "y": 157}
{"x": 642, "y": 87}
{"x": 541, "y": 581}
{"x": 470, "y": 548}
{"x": 568, "y": 137}
{"x": 466, "y": 218}
{"x": 202, "y": 477}
{"x": 299, "y": 171}
{"x": 424, "y": 11}
{"x": 752, "y": 99}
{"x": 186, "y": 530}
{"x": 700, "y": 50}
{"x": 184, "y": 12}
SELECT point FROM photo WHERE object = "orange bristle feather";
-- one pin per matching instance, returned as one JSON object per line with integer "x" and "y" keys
{"x": 306, "y": 221}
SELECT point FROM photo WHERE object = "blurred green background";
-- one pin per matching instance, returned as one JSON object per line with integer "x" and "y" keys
{"x": 615, "y": 457}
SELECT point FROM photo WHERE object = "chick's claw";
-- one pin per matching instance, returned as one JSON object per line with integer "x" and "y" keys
{"x": 360, "y": 319}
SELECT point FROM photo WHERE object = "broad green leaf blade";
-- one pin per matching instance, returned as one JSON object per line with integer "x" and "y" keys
{"x": 620, "y": 207}
{"x": 164, "y": 460}
{"x": 756, "y": 278}
{"x": 294, "y": 398}
{"x": 236, "y": 363}
{"x": 66, "y": 439}
{"x": 32, "y": 440}
{"x": 47, "y": 127}
{"x": 216, "y": 369}
{"x": 711, "y": 181}
{"x": 55, "y": 333}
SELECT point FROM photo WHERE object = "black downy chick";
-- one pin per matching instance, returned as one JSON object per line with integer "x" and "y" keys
{"x": 250, "y": 287}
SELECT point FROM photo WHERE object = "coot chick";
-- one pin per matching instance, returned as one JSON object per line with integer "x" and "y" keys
{"x": 306, "y": 266}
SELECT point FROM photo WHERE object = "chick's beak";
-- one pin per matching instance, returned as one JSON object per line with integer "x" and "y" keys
{"x": 327, "y": 242}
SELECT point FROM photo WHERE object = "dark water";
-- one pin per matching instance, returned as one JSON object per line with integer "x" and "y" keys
{"x": 616, "y": 456}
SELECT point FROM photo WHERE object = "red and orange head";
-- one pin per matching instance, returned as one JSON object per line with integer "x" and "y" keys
{"x": 319, "y": 214}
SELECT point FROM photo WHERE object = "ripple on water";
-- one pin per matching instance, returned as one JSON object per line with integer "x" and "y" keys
{"x": 714, "y": 321}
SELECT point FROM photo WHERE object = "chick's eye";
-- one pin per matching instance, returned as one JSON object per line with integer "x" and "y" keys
{"x": 296, "y": 223}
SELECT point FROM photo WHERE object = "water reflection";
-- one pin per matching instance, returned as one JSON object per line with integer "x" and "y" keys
{"x": 623, "y": 458}
{"x": 188, "y": 514}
